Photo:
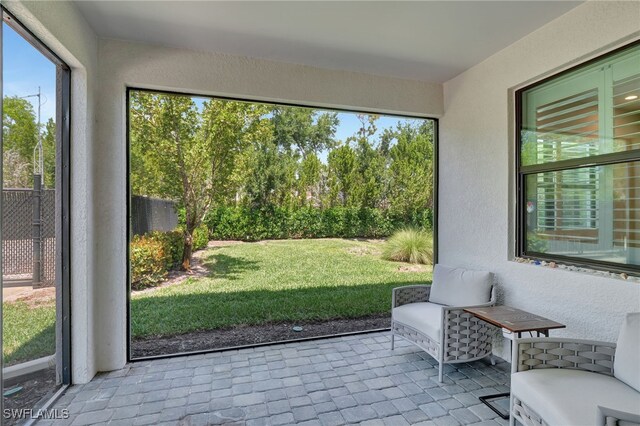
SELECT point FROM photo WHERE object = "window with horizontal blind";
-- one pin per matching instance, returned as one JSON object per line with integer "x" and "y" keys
{"x": 578, "y": 165}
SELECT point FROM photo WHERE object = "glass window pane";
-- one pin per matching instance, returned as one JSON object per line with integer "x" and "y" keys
{"x": 592, "y": 111}
{"x": 590, "y": 213}
{"x": 564, "y": 129}
{"x": 626, "y": 112}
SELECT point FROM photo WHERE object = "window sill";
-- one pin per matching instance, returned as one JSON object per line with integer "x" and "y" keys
{"x": 584, "y": 270}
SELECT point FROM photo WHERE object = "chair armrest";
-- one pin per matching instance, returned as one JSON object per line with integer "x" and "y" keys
{"x": 558, "y": 352}
{"x": 410, "y": 294}
{"x": 610, "y": 417}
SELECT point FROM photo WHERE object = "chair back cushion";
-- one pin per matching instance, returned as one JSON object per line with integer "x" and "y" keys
{"x": 626, "y": 364}
{"x": 460, "y": 287}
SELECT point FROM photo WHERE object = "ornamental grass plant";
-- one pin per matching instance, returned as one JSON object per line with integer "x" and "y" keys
{"x": 409, "y": 245}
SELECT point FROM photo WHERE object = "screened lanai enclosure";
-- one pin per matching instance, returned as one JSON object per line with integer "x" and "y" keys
{"x": 254, "y": 222}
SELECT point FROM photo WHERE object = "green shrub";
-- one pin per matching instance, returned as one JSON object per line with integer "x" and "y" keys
{"x": 409, "y": 245}
{"x": 305, "y": 223}
{"x": 148, "y": 262}
{"x": 200, "y": 237}
{"x": 332, "y": 222}
{"x": 155, "y": 253}
{"x": 246, "y": 224}
{"x": 172, "y": 243}
{"x": 535, "y": 243}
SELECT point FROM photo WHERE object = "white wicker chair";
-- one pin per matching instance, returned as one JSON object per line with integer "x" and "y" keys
{"x": 575, "y": 381}
{"x": 465, "y": 338}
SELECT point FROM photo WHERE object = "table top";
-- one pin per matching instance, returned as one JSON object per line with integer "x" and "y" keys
{"x": 514, "y": 320}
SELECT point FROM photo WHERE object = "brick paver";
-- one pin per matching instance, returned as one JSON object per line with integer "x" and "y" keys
{"x": 343, "y": 380}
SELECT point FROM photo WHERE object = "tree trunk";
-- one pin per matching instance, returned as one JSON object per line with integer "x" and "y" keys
{"x": 188, "y": 250}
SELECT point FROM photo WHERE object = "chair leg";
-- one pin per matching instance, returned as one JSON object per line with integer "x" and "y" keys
{"x": 393, "y": 339}
{"x": 512, "y": 419}
{"x": 440, "y": 371}
{"x": 493, "y": 359}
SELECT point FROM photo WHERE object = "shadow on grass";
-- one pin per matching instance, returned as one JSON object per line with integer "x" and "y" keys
{"x": 227, "y": 267}
{"x": 164, "y": 315}
{"x": 40, "y": 345}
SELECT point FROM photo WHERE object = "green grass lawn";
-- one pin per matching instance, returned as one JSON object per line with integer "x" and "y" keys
{"x": 28, "y": 332}
{"x": 272, "y": 281}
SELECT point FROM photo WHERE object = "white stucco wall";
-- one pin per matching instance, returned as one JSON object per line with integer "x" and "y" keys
{"x": 477, "y": 197}
{"x": 125, "y": 64}
{"x": 64, "y": 30}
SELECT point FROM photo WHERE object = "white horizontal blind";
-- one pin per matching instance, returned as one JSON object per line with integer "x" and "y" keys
{"x": 626, "y": 205}
{"x": 625, "y": 101}
{"x": 626, "y": 113}
{"x": 568, "y": 201}
{"x": 568, "y": 128}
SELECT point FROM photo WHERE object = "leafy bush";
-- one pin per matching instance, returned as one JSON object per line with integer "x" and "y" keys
{"x": 409, "y": 245}
{"x": 155, "y": 253}
{"x": 172, "y": 243}
{"x": 535, "y": 243}
{"x": 243, "y": 223}
{"x": 200, "y": 237}
{"x": 148, "y": 262}
{"x": 305, "y": 223}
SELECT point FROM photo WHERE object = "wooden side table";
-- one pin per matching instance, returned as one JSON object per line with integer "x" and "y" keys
{"x": 513, "y": 323}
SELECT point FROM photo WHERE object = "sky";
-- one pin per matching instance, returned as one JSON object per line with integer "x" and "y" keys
{"x": 349, "y": 124}
{"x": 24, "y": 69}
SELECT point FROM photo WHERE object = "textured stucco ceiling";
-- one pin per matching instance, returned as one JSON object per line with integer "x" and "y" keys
{"x": 431, "y": 41}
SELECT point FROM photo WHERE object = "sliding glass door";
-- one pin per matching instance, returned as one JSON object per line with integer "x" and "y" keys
{"x": 35, "y": 222}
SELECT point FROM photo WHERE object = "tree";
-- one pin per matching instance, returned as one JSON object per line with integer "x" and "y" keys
{"x": 270, "y": 176}
{"x": 370, "y": 164}
{"x": 186, "y": 154}
{"x": 411, "y": 169}
{"x": 281, "y": 171}
{"x": 16, "y": 171}
{"x": 310, "y": 180}
{"x": 302, "y": 134}
{"x": 20, "y": 136}
{"x": 20, "y": 130}
{"x": 342, "y": 176}
{"x": 303, "y": 129}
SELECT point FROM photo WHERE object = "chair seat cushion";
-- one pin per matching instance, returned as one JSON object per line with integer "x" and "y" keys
{"x": 571, "y": 397}
{"x": 425, "y": 317}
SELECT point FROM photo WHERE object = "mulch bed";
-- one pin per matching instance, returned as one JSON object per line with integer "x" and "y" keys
{"x": 251, "y": 335}
{"x": 35, "y": 390}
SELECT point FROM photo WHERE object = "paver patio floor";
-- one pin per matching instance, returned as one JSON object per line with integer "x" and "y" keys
{"x": 342, "y": 380}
